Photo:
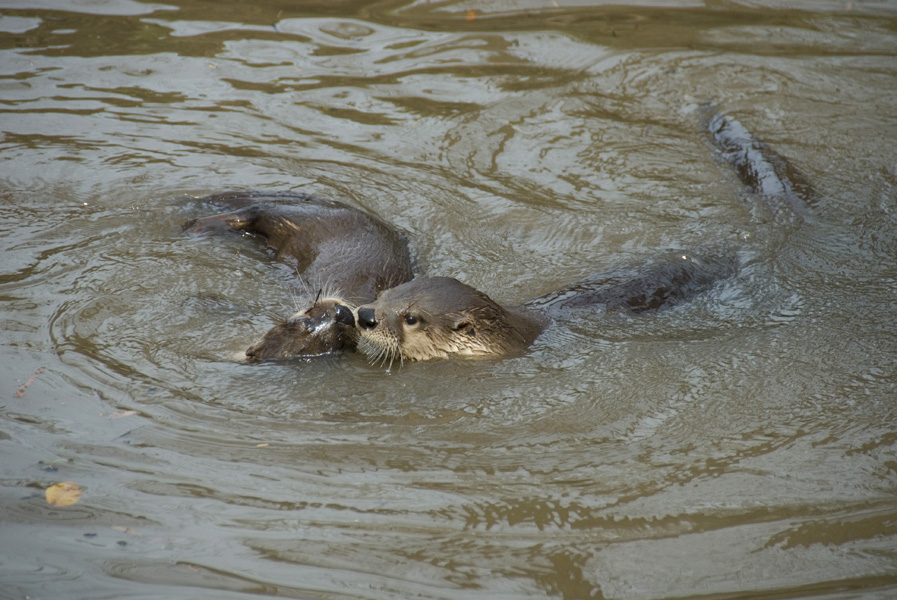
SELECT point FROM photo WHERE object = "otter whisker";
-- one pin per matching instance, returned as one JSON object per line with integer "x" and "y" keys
{"x": 380, "y": 354}
{"x": 387, "y": 353}
{"x": 295, "y": 299}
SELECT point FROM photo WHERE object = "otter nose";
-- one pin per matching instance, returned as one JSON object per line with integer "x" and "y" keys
{"x": 344, "y": 315}
{"x": 366, "y": 318}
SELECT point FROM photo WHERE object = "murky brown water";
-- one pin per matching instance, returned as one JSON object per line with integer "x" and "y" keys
{"x": 743, "y": 445}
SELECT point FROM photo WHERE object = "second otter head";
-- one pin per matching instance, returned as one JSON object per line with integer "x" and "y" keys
{"x": 437, "y": 317}
{"x": 313, "y": 331}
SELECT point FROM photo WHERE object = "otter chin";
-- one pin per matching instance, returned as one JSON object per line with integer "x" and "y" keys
{"x": 439, "y": 317}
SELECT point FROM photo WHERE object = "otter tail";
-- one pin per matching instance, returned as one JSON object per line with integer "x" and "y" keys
{"x": 762, "y": 170}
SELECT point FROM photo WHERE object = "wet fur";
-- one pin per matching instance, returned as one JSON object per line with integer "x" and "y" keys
{"x": 311, "y": 331}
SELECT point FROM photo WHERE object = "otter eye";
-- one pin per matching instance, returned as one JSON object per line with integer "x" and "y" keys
{"x": 410, "y": 320}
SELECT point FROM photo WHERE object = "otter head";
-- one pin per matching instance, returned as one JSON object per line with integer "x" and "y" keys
{"x": 436, "y": 317}
{"x": 313, "y": 331}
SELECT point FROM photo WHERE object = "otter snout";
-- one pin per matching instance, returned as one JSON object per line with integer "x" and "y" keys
{"x": 366, "y": 318}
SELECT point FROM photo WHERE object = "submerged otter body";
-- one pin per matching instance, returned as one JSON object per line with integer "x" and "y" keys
{"x": 350, "y": 254}
{"x": 441, "y": 317}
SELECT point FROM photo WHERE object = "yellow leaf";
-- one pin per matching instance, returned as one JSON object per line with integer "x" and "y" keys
{"x": 63, "y": 494}
{"x": 125, "y": 529}
{"x": 21, "y": 392}
{"x": 122, "y": 413}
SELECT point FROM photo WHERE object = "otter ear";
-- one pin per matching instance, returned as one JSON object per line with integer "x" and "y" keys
{"x": 464, "y": 326}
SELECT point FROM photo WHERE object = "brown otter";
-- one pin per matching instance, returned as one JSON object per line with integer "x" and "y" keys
{"x": 352, "y": 255}
{"x": 441, "y": 317}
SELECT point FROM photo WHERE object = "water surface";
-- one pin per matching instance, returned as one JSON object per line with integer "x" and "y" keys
{"x": 739, "y": 446}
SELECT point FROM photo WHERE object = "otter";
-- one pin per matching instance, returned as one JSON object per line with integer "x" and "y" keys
{"x": 336, "y": 248}
{"x": 441, "y": 317}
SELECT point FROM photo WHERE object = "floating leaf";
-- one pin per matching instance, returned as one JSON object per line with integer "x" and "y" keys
{"x": 123, "y": 529}
{"x": 21, "y": 392}
{"x": 63, "y": 494}
{"x": 122, "y": 413}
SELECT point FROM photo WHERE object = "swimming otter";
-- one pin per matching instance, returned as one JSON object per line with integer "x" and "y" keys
{"x": 441, "y": 317}
{"x": 337, "y": 248}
